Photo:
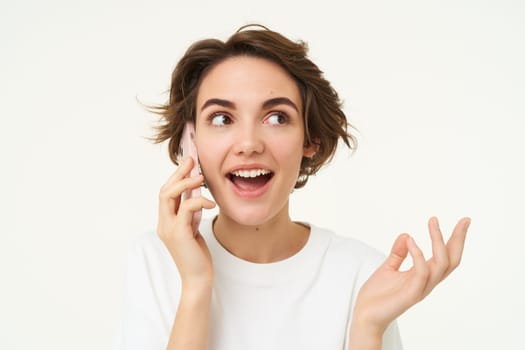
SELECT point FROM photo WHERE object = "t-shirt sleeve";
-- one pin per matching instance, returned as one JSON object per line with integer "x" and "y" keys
{"x": 150, "y": 297}
{"x": 392, "y": 338}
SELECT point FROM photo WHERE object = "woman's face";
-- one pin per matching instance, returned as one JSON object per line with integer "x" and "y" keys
{"x": 250, "y": 136}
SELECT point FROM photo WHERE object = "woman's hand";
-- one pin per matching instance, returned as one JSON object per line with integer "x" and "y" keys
{"x": 189, "y": 251}
{"x": 390, "y": 292}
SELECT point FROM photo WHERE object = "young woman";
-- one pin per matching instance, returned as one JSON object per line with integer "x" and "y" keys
{"x": 252, "y": 278}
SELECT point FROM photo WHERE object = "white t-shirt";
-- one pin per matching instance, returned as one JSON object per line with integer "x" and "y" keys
{"x": 302, "y": 302}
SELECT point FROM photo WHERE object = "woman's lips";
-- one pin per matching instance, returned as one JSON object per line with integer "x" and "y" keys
{"x": 250, "y": 185}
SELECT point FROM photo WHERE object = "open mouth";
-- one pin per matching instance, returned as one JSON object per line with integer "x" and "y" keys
{"x": 250, "y": 180}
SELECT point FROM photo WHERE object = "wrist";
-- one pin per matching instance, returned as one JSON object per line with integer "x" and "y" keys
{"x": 196, "y": 290}
{"x": 364, "y": 335}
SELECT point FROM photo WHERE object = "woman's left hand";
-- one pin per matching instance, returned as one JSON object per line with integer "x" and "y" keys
{"x": 389, "y": 292}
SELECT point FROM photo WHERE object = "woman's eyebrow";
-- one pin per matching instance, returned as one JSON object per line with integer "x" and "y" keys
{"x": 267, "y": 104}
{"x": 280, "y": 101}
{"x": 218, "y": 101}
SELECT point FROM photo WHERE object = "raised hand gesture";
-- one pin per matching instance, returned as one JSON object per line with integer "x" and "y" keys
{"x": 389, "y": 292}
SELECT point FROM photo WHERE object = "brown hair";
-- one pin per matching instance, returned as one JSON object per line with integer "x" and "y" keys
{"x": 324, "y": 121}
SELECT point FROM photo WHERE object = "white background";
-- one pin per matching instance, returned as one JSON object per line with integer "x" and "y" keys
{"x": 436, "y": 89}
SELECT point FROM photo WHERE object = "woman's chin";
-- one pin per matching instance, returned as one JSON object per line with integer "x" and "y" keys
{"x": 250, "y": 217}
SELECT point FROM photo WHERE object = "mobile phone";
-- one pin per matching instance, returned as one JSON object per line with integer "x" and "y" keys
{"x": 187, "y": 148}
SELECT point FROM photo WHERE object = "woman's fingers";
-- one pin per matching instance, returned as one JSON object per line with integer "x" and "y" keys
{"x": 439, "y": 250}
{"x": 191, "y": 205}
{"x": 389, "y": 292}
{"x": 170, "y": 193}
{"x": 398, "y": 252}
{"x": 420, "y": 270}
{"x": 177, "y": 183}
{"x": 456, "y": 243}
{"x": 174, "y": 211}
{"x": 439, "y": 263}
{"x": 445, "y": 257}
{"x": 183, "y": 170}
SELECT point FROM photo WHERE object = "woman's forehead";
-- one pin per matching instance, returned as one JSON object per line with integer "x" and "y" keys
{"x": 246, "y": 79}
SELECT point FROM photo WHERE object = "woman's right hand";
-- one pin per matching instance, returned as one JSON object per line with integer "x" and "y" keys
{"x": 189, "y": 250}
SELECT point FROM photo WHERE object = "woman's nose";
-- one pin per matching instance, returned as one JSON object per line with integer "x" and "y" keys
{"x": 249, "y": 141}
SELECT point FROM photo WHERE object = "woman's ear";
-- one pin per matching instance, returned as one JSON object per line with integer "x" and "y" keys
{"x": 310, "y": 150}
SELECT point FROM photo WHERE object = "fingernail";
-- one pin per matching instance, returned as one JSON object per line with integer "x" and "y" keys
{"x": 467, "y": 223}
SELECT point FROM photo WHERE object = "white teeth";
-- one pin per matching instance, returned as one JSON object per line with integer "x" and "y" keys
{"x": 251, "y": 172}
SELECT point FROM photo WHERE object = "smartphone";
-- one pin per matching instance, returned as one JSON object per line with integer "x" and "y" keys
{"x": 187, "y": 148}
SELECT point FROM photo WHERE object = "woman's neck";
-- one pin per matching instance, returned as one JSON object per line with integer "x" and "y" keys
{"x": 275, "y": 240}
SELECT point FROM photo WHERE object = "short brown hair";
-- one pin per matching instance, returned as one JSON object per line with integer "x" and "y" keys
{"x": 324, "y": 120}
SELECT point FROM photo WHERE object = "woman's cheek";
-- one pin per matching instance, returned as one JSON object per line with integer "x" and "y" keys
{"x": 211, "y": 157}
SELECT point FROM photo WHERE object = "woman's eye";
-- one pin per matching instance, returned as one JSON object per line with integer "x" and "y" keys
{"x": 220, "y": 119}
{"x": 276, "y": 119}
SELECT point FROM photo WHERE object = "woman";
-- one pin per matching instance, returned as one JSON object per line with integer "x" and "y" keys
{"x": 265, "y": 120}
